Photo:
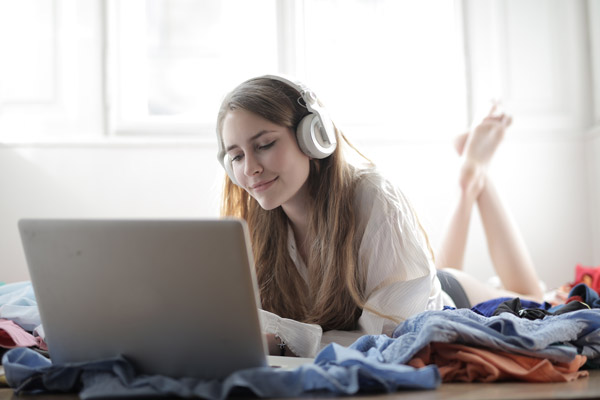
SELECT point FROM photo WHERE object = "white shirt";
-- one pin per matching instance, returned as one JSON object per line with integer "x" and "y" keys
{"x": 393, "y": 257}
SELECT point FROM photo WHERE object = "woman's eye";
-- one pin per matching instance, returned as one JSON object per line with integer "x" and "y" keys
{"x": 235, "y": 158}
{"x": 267, "y": 146}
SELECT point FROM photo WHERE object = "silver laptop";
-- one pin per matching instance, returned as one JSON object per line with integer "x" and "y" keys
{"x": 176, "y": 297}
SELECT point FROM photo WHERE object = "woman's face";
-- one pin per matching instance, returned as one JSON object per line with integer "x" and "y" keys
{"x": 265, "y": 158}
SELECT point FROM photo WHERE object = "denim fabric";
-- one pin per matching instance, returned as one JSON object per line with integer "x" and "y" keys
{"x": 578, "y": 330}
{"x": 336, "y": 370}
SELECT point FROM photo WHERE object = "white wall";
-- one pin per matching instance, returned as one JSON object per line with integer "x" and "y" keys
{"x": 541, "y": 183}
{"x": 535, "y": 56}
{"x": 592, "y": 140}
{"x": 593, "y": 159}
{"x": 98, "y": 181}
{"x": 548, "y": 169}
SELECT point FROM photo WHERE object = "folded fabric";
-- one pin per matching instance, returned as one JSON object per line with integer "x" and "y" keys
{"x": 18, "y": 303}
{"x": 12, "y": 335}
{"x": 336, "y": 370}
{"x": 577, "y": 330}
{"x": 460, "y": 363}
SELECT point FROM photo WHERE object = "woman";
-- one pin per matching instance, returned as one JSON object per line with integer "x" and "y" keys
{"x": 336, "y": 247}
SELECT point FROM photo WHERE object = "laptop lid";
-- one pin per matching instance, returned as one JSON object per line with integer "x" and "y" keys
{"x": 176, "y": 297}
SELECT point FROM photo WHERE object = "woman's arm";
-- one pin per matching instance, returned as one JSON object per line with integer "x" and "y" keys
{"x": 302, "y": 340}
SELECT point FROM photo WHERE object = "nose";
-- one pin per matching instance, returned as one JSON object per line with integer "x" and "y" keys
{"x": 252, "y": 166}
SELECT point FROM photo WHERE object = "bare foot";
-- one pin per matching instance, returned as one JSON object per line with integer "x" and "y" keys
{"x": 485, "y": 138}
{"x": 477, "y": 148}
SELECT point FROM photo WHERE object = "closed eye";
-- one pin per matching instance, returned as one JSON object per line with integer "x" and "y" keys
{"x": 238, "y": 157}
{"x": 267, "y": 146}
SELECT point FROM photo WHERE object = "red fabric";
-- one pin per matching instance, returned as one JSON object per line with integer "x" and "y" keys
{"x": 588, "y": 275}
{"x": 460, "y": 363}
{"x": 12, "y": 335}
{"x": 575, "y": 298}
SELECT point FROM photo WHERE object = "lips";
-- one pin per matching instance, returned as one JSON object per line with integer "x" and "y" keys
{"x": 264, "y": 185}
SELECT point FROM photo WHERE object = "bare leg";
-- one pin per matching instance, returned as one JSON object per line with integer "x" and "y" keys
{"x": 509, "y": 254}
{"x": 507, "y": 250}
{"x": 476, "y": 148}
{"x": 478, "y": 291}
{"x": 451, "y": 253}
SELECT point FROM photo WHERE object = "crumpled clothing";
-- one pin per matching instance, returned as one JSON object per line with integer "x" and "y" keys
{"x": 18, "y": 303}
{"x": 460, "y": 363}
{"x": 587, "y": 294}
{"x": 336, "y": 370}
{"x": 488, "y": 307}
{"x": 12, "y": 335}
{"x": 580, "y": 293}
{"x": 515, "y": 307}
{"x": 578, "y": 331}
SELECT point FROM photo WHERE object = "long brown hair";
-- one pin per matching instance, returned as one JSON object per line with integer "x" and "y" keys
{"x": 333, "y": 297}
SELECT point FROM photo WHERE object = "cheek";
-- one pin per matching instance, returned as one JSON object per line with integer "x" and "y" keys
{"x": 238, "y": 172}
{"x": 298, "y": 166}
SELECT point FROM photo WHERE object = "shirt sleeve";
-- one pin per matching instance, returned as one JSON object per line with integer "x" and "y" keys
{"x": 395, "y": 262}
{"x": 301, "y": 338}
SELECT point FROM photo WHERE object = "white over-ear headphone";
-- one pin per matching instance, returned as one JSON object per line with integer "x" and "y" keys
{"x": 315, "y": 133}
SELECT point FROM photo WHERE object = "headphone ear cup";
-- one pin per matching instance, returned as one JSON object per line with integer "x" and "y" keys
{"x": 309, "y": 134}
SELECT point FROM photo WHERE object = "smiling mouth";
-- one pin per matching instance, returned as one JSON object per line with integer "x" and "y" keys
{"x": 263, "y": 185}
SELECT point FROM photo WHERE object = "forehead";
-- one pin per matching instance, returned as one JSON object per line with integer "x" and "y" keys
{"x": 241, "y": 125}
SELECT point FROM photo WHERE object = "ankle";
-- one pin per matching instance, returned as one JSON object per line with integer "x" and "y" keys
{"x": 472, "y": 179}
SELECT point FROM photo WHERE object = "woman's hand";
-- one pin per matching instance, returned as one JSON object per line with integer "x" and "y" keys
{"x": 274, "y": 346}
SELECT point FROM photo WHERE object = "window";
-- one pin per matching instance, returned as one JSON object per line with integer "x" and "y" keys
{"x": 108, "y": 68}
{"x": 50, "y": 74}
{"x": 387, "y": 67}
{"x": 174, "y": 59}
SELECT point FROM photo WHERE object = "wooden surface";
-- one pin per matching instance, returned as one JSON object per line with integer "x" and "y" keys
{"x": 585, "y": 388}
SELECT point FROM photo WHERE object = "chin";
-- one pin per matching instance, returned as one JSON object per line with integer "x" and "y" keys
{"x": 267, "y": 205}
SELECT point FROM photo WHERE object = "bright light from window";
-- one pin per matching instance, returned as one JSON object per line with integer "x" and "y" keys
{"x": 193, "y": 45}
{"x": 391, "y": 67}
{"x": 179, "y": 57}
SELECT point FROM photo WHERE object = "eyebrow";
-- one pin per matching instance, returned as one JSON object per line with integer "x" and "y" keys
{"x": 259, "y": 134}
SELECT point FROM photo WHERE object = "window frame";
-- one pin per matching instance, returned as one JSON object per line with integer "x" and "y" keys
{"x": 71, "y": 113}
{"x": 176, "y": 128}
